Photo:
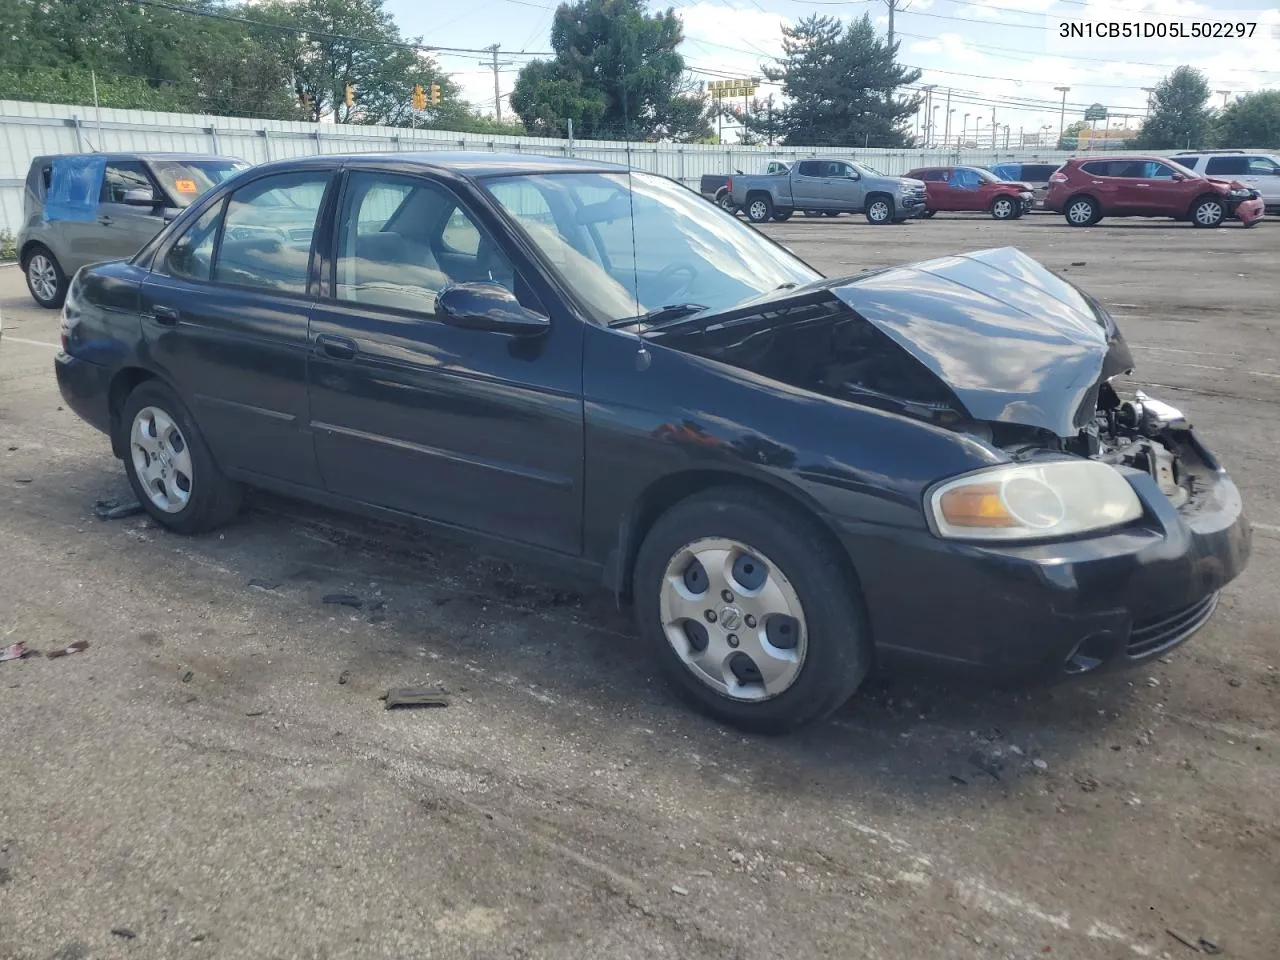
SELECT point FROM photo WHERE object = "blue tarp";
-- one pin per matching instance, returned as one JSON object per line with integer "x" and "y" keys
{"x": 75, "y": 183}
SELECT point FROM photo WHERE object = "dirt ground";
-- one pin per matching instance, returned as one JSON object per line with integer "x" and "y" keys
{"x": 216, "y": 777}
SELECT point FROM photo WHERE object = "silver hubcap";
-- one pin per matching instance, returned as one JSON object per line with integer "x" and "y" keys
{"x": 734, "y": 619}
{"x": 726, "y": 203}
{"x": 1003, "y": 208}
{"x": 161, "y": 459}
{"x": 1209, "y": 212}
{"x": 42, "y": 276}
{"x": 879, "y": 211}
{"x": 759, "y": 211}
{"x": 1080, "y": 213}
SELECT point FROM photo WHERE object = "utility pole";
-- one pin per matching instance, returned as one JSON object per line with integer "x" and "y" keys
{"x": 964, "y": 132}
{"x": 1148, "y": 91}
{"x": 893, "y": 5}
{"x": 946, "y": 120}
{"x": 771, "y": 119}
{"x": 1062, "y": 115}
{"x": 1225, "y": 94}
{"x": 928, "y": 102}
{"x": 995, "y": 128}
{"x": 496, "y": 66}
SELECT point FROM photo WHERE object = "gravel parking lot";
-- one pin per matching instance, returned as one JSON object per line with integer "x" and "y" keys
{"x": 215, "y": 775}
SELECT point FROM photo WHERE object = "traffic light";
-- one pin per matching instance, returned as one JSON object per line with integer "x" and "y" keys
{"x": 349, "y": 94}
{"x": 435, "y": 94}
{"x": 419, "y": 97}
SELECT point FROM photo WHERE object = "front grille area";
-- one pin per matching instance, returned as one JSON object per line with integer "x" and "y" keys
{"x": 1159, "y": 633}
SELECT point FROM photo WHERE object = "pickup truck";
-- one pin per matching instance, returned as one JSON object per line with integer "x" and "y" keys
{"x": 715, "y": 187}
{"x": 828, "y": 186}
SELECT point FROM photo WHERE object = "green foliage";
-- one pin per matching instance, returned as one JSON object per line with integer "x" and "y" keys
{"x": 1252, "y": 121}
{"x": 616, "y": 75}
{"x": 8, "y": 246}
{"x": 842, "y": 84}
{"x": 1070, "y": 138}
{"x": 1179, "y": 119}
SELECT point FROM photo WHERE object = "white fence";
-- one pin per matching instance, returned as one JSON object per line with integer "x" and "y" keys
{"x": 29, "y": 130}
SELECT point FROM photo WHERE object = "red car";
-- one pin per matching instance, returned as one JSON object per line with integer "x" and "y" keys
{"x": 969, "y": 188}
{"x": 1087, "y": 189}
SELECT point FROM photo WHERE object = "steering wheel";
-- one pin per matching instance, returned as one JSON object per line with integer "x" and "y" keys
{"x": 668, "y": 274}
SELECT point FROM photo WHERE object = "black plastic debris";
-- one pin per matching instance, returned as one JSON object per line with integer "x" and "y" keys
{"x": 414, "y": 697}
{"x": 111, "y": 510}
{"x": 77, "y": 646}
{"x": 344, "y": 600}
{"x": 124, "y": 933}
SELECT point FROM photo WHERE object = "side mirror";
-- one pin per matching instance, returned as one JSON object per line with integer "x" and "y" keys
{"x": 141, "y": 198}
{"x": 488, "y": 306}
{"x": 1179, "y": 177}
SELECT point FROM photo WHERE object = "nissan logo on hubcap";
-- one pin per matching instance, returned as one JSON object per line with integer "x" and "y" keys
{"x": 730, "y": 618}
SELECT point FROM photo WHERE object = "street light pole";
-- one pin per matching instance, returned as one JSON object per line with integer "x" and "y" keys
{"x": 964, "y": 130}
{"x": 1062, "y": 114}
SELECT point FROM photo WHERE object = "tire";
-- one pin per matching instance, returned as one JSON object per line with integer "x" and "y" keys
{"x": 1208, "y": 212}
{"x": 177, "y": 450}
{"x": 724, "y": 200}
{"x": 831, "y": 213}
{"x": 1004, "y": 208}
{"x": 759, "y": 208}
{"x": 782, "y": 216}
{"x": 928, "y": 214}
{"x": 1082, "y": 211}
{"x": 879, "y": 209}
{"x": 46, "y": 281}
{"x": 813, "y": 213}
{"x": 832, "y": 650}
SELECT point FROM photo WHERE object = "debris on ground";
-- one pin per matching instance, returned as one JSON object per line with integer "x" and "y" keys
{"x": 414, "y": 697}
{"x": 111, "y": 510}
{"x": 679, "y": 891}
{"x": 264, "y": 584}
{"x": 1185, "y": 940}
{"x": 1210, "y": 946}
{"x": 124, "y": 933}
{"x": 21, "y": 479}
{"x": 1086, "y": 783}
{"x": 1040, "y": 764}
{"x": 343, "y": 600}
{"x": 76, "y": 646}
{"x": 17, "y": 651}
{"x": 255, "y": 713}
{"x": 344, "y": 676}
{"x": 1078, "y": 263}
{"x": 188, "y": 676}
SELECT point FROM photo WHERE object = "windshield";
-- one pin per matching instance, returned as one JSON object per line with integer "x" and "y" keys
{"x": 184, "y": 180}
{"x": 865, "y": 170}
{"x": 674, "y": 249}
{"x": 986, "y": 176}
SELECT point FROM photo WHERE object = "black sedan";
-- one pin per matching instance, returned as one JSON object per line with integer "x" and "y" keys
{"x": 788, "y": 476}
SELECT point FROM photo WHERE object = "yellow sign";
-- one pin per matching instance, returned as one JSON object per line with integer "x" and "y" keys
{"x": 185, "y": 186}
{"x": 732, "y": 88}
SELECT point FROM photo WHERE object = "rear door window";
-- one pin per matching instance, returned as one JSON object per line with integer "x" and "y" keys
{"x": 1098, "y": 168}
{"x": 812, "y": 168}
{"x": 191, "y": 256}
{"x": 1227, "y": 166}
{"x": 268, "y": 231}
{"x": 1262, "y": 167}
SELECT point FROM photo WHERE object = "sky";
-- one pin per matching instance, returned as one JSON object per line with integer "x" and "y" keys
{"x": 1002, "y": 54}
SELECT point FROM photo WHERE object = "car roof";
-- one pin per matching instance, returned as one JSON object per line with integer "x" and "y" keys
{"x": 466, "y": 163}
{"x": 140, "y": 155}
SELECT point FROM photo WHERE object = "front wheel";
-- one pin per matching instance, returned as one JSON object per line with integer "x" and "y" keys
{"x": 744, "y": 603}
{"x": 759, "y": 209}
{"x": 1004, "y": 208}
{"x": 928, "y": 214}
{"x": 46, "y": 281}
{"x": 170, "y": 468}
{"x": 880, "y": 211}
{"x": 1208, "y": 212}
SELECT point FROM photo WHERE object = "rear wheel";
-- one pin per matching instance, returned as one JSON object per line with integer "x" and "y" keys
{"x": 759, "y": 208}
{"x": 742, "y": 600}
{"x": 1004, "y": 208}
{"x": 1208, "y": 212}
{"x": 724, "y": 200}
{"x": 1082, "y": 212}
{"x": 46, "y": 281}
{"x": 170, "y": 468}
{"x": 880, "y": 210}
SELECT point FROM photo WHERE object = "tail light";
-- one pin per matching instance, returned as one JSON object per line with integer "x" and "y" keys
{"x": 728, "y": 184}
{"x": 1058, "y": 178}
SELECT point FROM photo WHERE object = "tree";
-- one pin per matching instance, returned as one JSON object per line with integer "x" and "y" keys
{"x": 760, "y": 121}
{"x": 616, "y": 75}
{"x": 842, "y": 83}
{"x": 1252, "y": 121}
{"x": 1070, "y": 138}
{"x": 1179, "y": 119}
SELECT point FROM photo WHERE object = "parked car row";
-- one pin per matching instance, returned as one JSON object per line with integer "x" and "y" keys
{"x": 788, "y": 477}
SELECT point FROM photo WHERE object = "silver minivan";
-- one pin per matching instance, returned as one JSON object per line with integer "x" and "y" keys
{"x": 1255, "y": 169}
{"x": 83, "y": 208}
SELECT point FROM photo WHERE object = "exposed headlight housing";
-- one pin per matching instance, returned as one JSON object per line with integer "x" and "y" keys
{"x": 1033, "y": 501}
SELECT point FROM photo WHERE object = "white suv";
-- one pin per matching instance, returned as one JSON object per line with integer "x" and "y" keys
{"x": 1261, "y": 171}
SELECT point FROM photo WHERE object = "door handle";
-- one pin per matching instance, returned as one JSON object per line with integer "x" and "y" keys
{"x": 168, "y": 316}
{"x": 1144, "y": 186}
{"x": 1097, "y": 183}
{"x": 340, "y": 348}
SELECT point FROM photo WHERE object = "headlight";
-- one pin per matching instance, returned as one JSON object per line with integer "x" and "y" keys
{"x": 1058, "y": 498}
{"x": 1241, "y": 194}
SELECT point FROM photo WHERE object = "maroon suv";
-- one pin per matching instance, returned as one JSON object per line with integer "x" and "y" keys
{"x": 1087, "y": 189}
{"x": 971, "y": 188}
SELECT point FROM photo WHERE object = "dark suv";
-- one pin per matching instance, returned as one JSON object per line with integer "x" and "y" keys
{"x": 1087, "y": 189}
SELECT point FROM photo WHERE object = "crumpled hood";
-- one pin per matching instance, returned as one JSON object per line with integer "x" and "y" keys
{"x": 1014, "y": 342}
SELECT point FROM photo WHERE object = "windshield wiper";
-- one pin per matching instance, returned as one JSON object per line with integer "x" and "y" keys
{"x": 673, "y": 311}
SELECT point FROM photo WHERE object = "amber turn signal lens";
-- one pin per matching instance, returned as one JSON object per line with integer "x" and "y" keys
{"x": 976, "y": 505}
